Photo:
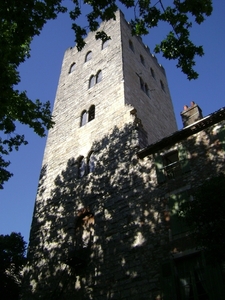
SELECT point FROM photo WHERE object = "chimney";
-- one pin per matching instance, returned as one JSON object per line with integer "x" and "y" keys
{"x": 191, "y": 114}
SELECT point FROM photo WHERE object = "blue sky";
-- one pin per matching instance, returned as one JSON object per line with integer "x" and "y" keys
{"x": 40, "y": 74}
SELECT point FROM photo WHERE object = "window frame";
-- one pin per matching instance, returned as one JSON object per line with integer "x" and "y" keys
{"x": 91, "y": 82}
{"x": 182, "y": 164}
{"x": 91, "y": 162}
{"x": 171, "y": 164}
{"x": 142, "y": 60}
{"x": 99, "y": 76}
{"x": 142, "y": 84}
{"x": 131, "y": 46}
{"x": 147, "y": 91}
{"x": 81, "y": 167}
{"x": 83, "y": 118}
{"x": 88, "y": 56}
{"x": 105, "y": 44}
{"x": 72, "y": 67}
{"x": 162, "y": 86}
{"x": 91, "y": 113}
{"x": 152, "y": 73}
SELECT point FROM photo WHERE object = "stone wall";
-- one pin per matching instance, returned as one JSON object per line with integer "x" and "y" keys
{"x": 156, "y": 109}
{"x": 114, "y": 97}
{"x": 118, "y": 256}
{"x": 104, "y": 236}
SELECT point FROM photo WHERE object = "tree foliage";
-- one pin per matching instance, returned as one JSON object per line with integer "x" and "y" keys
{"x": 12, "y": 260}
{"x": 20, "y": 21}
{"x": 179, "y": 15}
{"x": 206, "y": 216}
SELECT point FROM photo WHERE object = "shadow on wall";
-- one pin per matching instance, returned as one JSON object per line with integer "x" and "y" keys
{"x": 102, "y": 236}
{"x": 97, "y": 236}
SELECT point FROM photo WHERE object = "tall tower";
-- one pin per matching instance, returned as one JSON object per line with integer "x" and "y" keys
{"x": 112, "y": 99}
{"x": 102, "y": 84}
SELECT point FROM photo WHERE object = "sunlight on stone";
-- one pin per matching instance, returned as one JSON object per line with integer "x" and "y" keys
{"x": 97, "y": 272}
{"x": 138, "y": 240}
{"x": 156, "y": 216}
{"x": 51, "y": 246}
{"x": 33, "y": 283}
{"x": 95, "y": 238}
{"x": 40, "y": 219}
{"x": 108, "y": 216}
{"x": 61, "y": 209}
{"x": 123, "y": 262}
{"x": 83, "y": 280}
{"x": 89, "y": 188}
{"x": 132, "y": 274}
{"x": 146, "y": 213}
{"x": 62, "y": 234}
{"x": 41, "y": 263}
{"x": 198, "y": 139}
{"x": 77, "y": 283}
{"x": 99, "y": 250}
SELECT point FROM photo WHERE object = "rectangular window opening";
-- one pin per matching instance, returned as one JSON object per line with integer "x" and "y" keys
{"x": 171, "y": 165}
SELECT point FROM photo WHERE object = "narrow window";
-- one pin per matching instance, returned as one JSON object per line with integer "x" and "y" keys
{"x": 91, "y": 162}
{"x": 83, "y": 119}
{"x": 72, "y": 67}
{"x": 147, "y": 90}
{"x": 131, "y": 46}
{"x": 91, "y": 81}
{"x": 105, "y": 44}
{"x": 152, "y": 73}
{"x": 83, "y": 240}
{"x": 178, "y": 224}
{"x": 99, "y": 77}
{"x": 91, "y": 113}
{"x": 142, "y": 84}
{"x": 162, "y": 86}
{"x": 84, "y": 229}
{"x": 88, "y": 56}
{"x": 81, "y": 167}
{"x": 142, "y": 60}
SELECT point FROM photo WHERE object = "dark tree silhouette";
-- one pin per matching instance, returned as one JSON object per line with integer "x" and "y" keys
{"x": 12, "y": 260}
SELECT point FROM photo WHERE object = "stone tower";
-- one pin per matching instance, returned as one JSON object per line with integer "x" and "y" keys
{"x": 112, "y": 99}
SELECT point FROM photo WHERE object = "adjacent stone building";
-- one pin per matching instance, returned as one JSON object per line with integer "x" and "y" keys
{"x": 114, "y": 171}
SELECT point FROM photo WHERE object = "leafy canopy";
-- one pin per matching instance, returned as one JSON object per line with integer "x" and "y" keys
{"x": 20, "y": 21}
{"x": 179, "y": 15}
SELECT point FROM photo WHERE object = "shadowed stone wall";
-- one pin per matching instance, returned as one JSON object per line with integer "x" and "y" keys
{"x": 107, "y": 259}
{"x": 104, "y": 236}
